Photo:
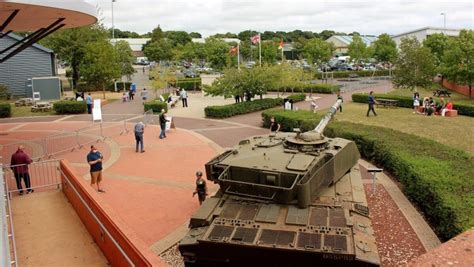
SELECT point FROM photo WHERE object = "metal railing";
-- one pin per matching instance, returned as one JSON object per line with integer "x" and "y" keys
{"x": 149, "y": 117}
{"x": 43, "y": 174}
{"x": 66, "y": 141}
{"x": 96, "y": 219}
{"x": 8, "y": 256}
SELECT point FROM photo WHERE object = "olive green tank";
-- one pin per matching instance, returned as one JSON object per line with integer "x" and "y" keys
{"x": 290, "y": 199}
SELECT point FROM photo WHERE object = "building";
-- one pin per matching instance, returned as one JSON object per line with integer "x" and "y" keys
{"x": 342, "y": 42}
{"x": 423, "y": 33}
{"x": 136, "y": 44}
{"x": 34, "y": 61}
{"x": 227, "y": 40}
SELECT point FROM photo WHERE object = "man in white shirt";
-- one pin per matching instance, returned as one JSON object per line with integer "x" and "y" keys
{"x": 184, "y": 97}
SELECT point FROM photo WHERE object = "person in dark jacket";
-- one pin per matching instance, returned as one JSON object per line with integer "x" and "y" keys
{"x": 19, "y": 165}
{"x": 371, "y": 103}
{"x": 201, "y": 187}
{"x": 163, "y": 121}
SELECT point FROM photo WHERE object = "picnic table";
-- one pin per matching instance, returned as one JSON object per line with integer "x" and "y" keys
{"x": 441, "y": 92}
{"x": 387, "y": 103}
{"x": 41, "y": 106}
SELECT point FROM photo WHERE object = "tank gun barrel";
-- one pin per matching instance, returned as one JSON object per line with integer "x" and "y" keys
{"x": 329, "y": 115}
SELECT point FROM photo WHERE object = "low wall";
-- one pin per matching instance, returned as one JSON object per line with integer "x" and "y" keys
{"x": 92, "y": 210}
{"x": 462, "y": 89}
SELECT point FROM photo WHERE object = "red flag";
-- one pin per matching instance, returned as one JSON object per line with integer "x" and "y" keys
{"x": 233, "y": 50}
{"x": 255, "y": 39}
{"x": 281, "y": 44}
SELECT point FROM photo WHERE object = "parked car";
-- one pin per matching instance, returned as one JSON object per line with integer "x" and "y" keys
{"x": 250, "y": 64}
{"x": 190, "y": 74}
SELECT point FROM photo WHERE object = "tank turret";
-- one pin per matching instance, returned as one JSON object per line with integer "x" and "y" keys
{"x": 288, "y": 199}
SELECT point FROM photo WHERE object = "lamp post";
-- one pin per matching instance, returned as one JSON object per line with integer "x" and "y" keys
{"x": 444, "y": 15}
{"x": 113, "y": 28}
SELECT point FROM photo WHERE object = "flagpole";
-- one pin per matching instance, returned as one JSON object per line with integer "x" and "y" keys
{"x": 260, "y": 48}
{"x": 238, "y": 56}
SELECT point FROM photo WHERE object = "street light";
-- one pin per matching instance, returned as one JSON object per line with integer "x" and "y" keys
{"x": 113, "y": 28}
{"x": 444, "y": 15}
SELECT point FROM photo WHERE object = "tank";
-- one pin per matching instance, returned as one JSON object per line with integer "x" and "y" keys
{"x": 286, "y": 199}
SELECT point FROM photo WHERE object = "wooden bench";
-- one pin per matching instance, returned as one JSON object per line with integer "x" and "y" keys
{"x": 451, "y": 113}
{"x": 386, "y": 103}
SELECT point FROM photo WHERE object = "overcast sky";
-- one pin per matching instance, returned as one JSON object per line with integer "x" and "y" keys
{"x": 219, "y": 16}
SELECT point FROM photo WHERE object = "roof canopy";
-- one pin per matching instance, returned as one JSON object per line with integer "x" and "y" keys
{"x": 41, "y": 18}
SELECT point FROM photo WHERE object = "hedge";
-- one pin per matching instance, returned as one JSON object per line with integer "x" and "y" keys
{"x": 407, "y": 102}
{"x": 155, "y": 105}
{"x": 307, "y": 88}
{"x": 248, "y": 107}
{"x": 363, "y": 73}
{"x": 436, "y": 177}
{"x": 189, "y": 83}
{"x": 70, "y": 107}
{"x": 5, "y": 110}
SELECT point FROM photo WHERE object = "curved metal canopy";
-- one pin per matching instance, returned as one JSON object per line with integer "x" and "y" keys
{"x": 41, "y": 18}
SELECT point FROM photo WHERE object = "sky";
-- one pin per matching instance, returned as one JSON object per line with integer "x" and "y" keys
{"x": 220, "y": 16}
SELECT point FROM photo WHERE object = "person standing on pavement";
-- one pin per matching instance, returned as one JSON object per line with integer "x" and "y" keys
{"x": 339, "y": 97}
{"x": 95, "y": 158}
{"x": 163, "y": 121}
{"x": 139, "y": 131}
{"x": 184, "y": 97}
{"x": 19, "y": 165}
{"x": 371, "y": 103}
{"x": 201, "y": 187}
{"x": 144, "y": 95}
{"x": 89, "y": 103}
{"x": 274, "y": 126}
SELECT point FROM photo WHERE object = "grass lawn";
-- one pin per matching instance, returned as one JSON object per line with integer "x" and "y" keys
{"x": 26, "y": 112}
{"x": 453, "y": 131}
{"x": 455, "y": 97}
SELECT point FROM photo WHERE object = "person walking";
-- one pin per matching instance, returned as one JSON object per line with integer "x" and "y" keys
{"x": 89, "y": 103}
{"x": 163, "y": 121}
{"x": 339, "y": 97}
{"x": 95, "y": 158}
{"x": 371, "y": 103}
{"x": 139, "y": 131}
{"x": 184, "y": 97}
{"x": 19, "y": 165}
{"x": 201, "y": 187}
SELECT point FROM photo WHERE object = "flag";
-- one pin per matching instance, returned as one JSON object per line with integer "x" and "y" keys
{"x": 281, "y": 45}
{"x": 233, "y": 50}
{"x": 255, "y": 39}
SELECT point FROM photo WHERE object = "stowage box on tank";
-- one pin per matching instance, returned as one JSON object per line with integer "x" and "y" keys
{"x": 290, "y": 199}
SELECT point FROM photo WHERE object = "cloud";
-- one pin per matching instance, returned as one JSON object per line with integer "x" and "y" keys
{"x": 212, "y": 16}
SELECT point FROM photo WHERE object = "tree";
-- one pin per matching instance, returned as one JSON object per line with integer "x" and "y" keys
{"x": 101, "y": 67}
{"x": 70, "y": 45}
{"x": 177, "y": 37}
{"x": 326, "y": 34}
{"x": 124, "y": 56}
{"x": 317, "y": 51}
{"x": 415, "y": 65}
{"x": 163, "y": 77}
{"x": 385, "y": 49}
{"x": 458, "y": 60}
{"x": 158, "y": 50}
{"x": 357, "y": 49}
{"x": 217, "y": 52}
{"x": 269, "y": 52}
{"x": 195, "y": 35}
{"x": 157, "y": 34}
{"x": 246, "y": 35}
{"x": 437, "y": 43}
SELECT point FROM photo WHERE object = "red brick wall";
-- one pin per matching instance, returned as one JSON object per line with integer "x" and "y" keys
{"x": 462, "y": 89}
{"x": 133, "y": 247}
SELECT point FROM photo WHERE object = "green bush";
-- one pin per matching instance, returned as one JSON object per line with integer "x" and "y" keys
{"x": 436, "y": 177}
{"x": 189, "y": 83}
{"x": 155, "y": 105}
{"x": 248, "y": 107}
{"x": 70, "y": 107}
{"x": 5, "y": 110}
{"x": 407, "y": 102}
{"x": 307, "y": 88}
